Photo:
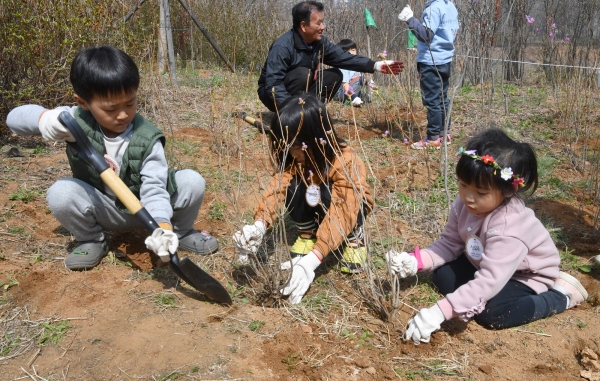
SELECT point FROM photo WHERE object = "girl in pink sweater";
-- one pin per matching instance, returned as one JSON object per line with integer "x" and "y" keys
{"x": 495, "y": 262}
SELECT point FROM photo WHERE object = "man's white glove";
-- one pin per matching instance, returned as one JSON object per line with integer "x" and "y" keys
{"x": 424, "y": 324}
{"x": 389, "y": 67}
{"x": 163, "y": 242}
{"x": 402, "y": 263}
{"x": 250, "y": 237}
{"x": 303, "y": 273}
{"x": 357, "y": 102}
{"x": 406, "y": 13}
{"x": 52, "y": 129}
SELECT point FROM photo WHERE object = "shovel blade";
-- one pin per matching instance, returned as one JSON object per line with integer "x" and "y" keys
{"x": 200, "y": 280}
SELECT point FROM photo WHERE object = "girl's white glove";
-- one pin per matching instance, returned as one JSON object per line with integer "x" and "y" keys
{"x": 163, "y": 242}
{"x": 402, "y": 264}
{"x": 52, "y": 129}
{"x": 406, "y": 13}
{"x": 424, "y": 324}
{"x": 250, "y": 237}
{"x": 303, "y": 273}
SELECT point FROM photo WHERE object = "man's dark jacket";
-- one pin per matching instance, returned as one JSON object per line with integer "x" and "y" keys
{"x": 289, "y": 52}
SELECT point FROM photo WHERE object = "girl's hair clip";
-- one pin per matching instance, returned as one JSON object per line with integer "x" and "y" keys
{"x": 506, "y": 173}
{"x": 301, "y": 101}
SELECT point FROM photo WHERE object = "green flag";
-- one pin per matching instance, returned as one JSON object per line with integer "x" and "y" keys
{"x": 369, "y": 19}
{"x": 412, "y": 40}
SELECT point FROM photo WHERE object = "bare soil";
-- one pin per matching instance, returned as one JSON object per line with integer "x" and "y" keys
{"x": 121, "y": 328}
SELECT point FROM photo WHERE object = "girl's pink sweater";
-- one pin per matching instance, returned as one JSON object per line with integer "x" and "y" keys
{"x": 516, "y": 246}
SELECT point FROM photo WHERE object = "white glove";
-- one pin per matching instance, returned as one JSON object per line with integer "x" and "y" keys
{"x": 389, "y": 67}
{"x": 406, "y": 13}
{"x": 357, "y": 102}
{"x": 424, "y": 324}
{"x": 163, "y": 242}
{"x": 303, "y": 273}
{"x": 243, "y": 258}
{"x": 250, "y": 237}
{"x": 402, "y": 263}
{"x": 52, "y": 129}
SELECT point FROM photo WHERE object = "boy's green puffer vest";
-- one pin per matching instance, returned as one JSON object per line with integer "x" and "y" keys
{"x": 142, "y": 140}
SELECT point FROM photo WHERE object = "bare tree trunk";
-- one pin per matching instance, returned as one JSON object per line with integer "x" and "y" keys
{"x": 170, "y": 50}
{"x": 162, "y": 41}
{"x": 513, "y": 70}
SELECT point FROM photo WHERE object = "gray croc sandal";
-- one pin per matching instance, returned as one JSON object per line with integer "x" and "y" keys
{"x": 86, "y": 255}
{"x": 199, "y": 242}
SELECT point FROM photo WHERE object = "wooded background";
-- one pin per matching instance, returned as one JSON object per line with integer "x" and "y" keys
{"x": 39, "y": 38}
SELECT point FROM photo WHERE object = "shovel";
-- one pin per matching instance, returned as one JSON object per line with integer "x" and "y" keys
{"x": 256, "y": 123}
{"x": 185, "y": 269}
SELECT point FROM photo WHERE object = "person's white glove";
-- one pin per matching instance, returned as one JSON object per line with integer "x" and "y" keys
{"x": 303, "y": 273}
{"x": 406, "y": 13}
{"x": 163, "y": 242}
{"x": 357, "y": 102}
{"x": 402, "y": 263}
{"x": 250, "y": 237}
{"x": 389, "y": 67}
{"x": 52, "y": 129}
{"x": 243, "y": 258}
{"x": 424, "y": 324}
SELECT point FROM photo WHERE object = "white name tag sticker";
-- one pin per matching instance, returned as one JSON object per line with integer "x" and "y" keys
{"x": 313, "y": 195}
{"x": 474, "y": 248}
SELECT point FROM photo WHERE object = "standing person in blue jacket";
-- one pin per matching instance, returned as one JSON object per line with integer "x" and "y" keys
{"x": 294, "y": 63}
{"x": 435, "y": 34}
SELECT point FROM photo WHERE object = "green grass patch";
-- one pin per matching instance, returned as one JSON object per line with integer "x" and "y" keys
{"x": 216, "y": 211}
{"x": 573, "y": 262}
{"x": 54, "y": 332}
{"x": 25, "y": 195}
{"x": 164, "y": 300}
{"x": 255, "y": 325}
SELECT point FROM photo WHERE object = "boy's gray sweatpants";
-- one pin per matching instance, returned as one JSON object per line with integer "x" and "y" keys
{"x": 86, "y": 212}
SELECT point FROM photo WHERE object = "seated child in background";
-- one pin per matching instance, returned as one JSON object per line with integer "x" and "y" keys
{"x": 495, "y": 261}
{"x": 105, "y": 81}
{"x": 322, "y": 183}
{"x": 352, "y": 80}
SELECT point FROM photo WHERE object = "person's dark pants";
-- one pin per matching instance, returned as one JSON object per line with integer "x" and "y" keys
{"x": 308, "y": 217}
{"x": 516, "y": 304}
{"x": 434, "y": 80}
{"x": 302, "y": 79}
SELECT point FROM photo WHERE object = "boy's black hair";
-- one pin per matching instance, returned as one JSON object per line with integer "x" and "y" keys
{"x": 103, "y": 71}
{"x": 520, "y": 157}
{"x": 347, "y": 44}
{"x": 302, "y": 11}
{"x": 303, "y": 119}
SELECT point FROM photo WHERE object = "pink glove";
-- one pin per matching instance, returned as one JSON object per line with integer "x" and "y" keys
{"x": 389, "y": 67}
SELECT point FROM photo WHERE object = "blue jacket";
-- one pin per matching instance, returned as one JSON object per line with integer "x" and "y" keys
{"x": 436, "y": 32}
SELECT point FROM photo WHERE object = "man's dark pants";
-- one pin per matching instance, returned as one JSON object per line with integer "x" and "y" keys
{"x": 301, "y": 79}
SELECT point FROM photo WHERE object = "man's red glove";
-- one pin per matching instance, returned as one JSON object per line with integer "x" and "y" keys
{"x": 389, "y": 67}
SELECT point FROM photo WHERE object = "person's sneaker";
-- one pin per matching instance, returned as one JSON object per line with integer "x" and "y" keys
{"x": 571, "y": 287}
{"x": 437, "y": 143}
{"x": 86, "y": 255}
{"x": 353, "y": 259}
{"x": 199, "y": 242}
{"x": 302, "y": 246}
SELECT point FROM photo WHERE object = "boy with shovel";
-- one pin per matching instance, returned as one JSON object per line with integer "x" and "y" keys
{"x": 105, "y": 81}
